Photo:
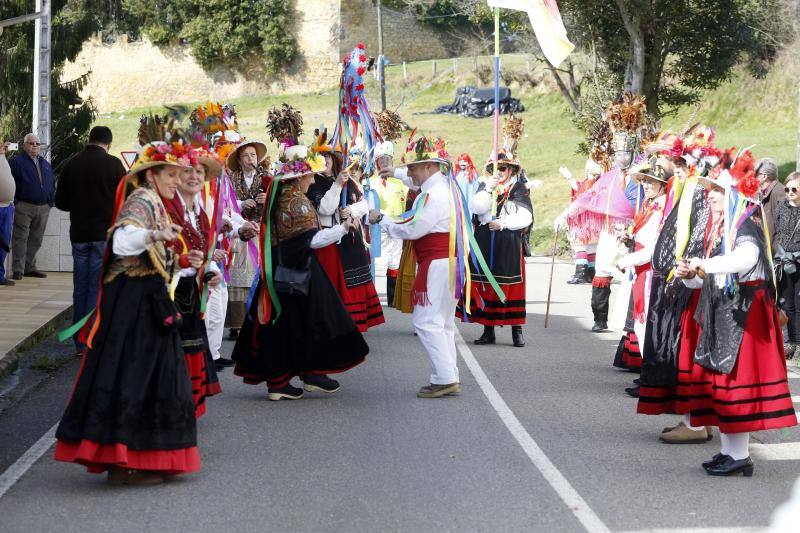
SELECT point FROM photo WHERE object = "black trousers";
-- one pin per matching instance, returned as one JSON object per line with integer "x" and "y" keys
{"x": 600, "y": 296}
{"x": 790, "y": 303}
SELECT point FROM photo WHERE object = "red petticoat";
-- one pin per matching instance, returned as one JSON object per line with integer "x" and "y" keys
{"x": 98, "y": 458}
{"x": 755, "y": 395}
{"x": 361, "y": 302}
{"x": 628, "y": 355}
{"x": 675, "y": 399}
{"x": 485, "y": 307}
{"x": 201, "y": 388}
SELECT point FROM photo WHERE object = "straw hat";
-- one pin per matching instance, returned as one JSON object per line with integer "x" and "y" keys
{"x": 297, "y": 161}
{"x": 159, "y": 153}
{"x": 232, "y": 161}
{"x": 423, "y": 150}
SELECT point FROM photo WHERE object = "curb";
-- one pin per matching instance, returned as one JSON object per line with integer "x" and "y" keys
{"x": 10, "y": 361}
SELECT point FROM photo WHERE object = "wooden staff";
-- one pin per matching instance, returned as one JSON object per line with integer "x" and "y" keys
{"x": 550, "y": 287}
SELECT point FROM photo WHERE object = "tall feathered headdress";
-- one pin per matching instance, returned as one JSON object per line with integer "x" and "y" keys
{"x": 513, "y": 128}
{"x": 284, "y": 124}
{"x": 390, "y": 125}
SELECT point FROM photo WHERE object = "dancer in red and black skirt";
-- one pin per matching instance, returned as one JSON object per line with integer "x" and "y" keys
{"x": 739, "y": 380}
{"x": 499, "y": 233}
{"x": 346, "y": 262}
{"x": 303, "y": 331}
{"x": 131, "y": 411}
{"x": 652, "y": 177}
{"x": 192, "y": 246}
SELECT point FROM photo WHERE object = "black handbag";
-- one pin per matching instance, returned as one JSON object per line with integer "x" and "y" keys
{"x": 289, "y": 280}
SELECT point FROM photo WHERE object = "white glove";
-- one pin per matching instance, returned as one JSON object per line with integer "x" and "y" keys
{"x": 534, "y": 184}
{"x": 565, "y": 173}
{"x": 560, "y": 222}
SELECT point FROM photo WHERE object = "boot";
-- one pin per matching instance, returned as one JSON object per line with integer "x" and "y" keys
{"x": 516, "y": 336}
{"x": 600, "y": 296}
{"x": 487, "y": 337}
{"x": 580, "y": 275}
{"x": 391, "y": 283}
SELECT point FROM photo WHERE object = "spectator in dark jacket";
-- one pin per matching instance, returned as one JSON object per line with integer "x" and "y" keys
{"x": 86, "y": 189}
{"x": 36, "y": 187}
{"x": 771, "y": 191}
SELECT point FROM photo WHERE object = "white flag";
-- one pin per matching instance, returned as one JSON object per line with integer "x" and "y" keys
{"x": 547, "y": 25}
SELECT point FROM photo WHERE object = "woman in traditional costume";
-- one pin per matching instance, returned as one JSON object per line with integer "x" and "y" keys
{"x": 502, "y": 210}
{"x": 131, "y": 411}
{"x": 641, "y": 242}
{"x": 739, "y": 380}
{"x": 338, "y": 197}
{"x": 192, "y": 247}
{"x": 248, "y": 177}
{"x": 298, "y": 328}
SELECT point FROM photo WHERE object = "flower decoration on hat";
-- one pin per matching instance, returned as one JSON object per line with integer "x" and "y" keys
{"x": 422, "y": 150}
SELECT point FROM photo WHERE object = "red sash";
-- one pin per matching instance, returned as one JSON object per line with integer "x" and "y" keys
{"x": 430, "y": 247}
{"x": 638, "y": 292}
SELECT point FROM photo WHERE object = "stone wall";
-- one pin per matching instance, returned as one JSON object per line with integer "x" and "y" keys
{"x": 404, "y": 39}
{"x": 139, "y": 74}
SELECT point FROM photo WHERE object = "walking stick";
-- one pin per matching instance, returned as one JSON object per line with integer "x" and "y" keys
{"x": 550, "y": 287}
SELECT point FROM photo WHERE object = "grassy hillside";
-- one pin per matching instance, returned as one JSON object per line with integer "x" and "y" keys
{"x": 745, "y": 111}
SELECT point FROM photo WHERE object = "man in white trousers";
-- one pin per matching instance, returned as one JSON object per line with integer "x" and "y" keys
{"x": 432, "y": 295}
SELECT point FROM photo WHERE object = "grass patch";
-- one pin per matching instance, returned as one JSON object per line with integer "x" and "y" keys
{"x": 744, "y": 111}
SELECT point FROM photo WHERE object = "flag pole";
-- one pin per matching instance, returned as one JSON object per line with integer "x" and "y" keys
{"x": 496, "y": 122}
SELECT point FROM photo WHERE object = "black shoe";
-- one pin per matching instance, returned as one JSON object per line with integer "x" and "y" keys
{"x": 288, "y": 392}
{"x": 633, "y": 391}
{"x": 233, "y": 334}
{"x": 600, "y": 326}
{"x": 322, "y": 383}
{"x": 637, "y": 381}
{"x": 16, "y": 275}
{"x": 579, "y": 277}
{"x": 516, "y": 336}
{"x": 35, "y": 274}
{"x": 714, "y": 461}
{"x": 487, "y": 337}
{"x": 7, "y": 282}
{"x": 728, "y": 466}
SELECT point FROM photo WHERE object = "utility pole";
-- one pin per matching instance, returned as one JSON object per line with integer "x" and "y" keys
{"x": 41, "y": 69}
{"x": 797, "y": 157}
{"x": 381, "y": 72}
{"x": 41, "y": 75}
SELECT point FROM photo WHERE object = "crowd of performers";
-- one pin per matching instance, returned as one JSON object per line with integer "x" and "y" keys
{"x": 210, "y": 233}
{"x": 695, "y": 233}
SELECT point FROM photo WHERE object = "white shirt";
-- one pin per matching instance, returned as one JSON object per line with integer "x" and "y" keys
{"x": 434, "y": 216}
{"x": 741, "y": 260}
{"x": 329, "y": 207}
{"x": 646, "y": 237}
{"x": 512, "y": 216}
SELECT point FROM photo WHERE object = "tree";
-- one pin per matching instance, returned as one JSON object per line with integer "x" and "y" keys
{"x": 74, "y": 21}
{"x": 240, "y": 34}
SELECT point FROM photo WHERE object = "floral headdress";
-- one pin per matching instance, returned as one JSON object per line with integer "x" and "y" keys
{"x": 295, "y": 161}
{"x": 422, "y": 150}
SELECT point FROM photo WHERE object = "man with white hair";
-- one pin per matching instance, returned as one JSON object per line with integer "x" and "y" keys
{"x": 432, "y": 296}
{"x": 36, "y": 189}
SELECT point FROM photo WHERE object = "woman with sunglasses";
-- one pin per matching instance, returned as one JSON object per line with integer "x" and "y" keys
{"x": 502, "y": 211}
{"x": 787, "y": 256}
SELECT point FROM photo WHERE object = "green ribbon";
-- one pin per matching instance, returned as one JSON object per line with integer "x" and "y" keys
{"x": 484, "y": 267}
{"x": 276, "y": 303}
{"x": 74, "y": 328}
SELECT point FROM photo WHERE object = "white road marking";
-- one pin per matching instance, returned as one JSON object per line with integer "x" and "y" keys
{"x": 703, "y": 530}
{"x": 27, "y": 460}
{"x": 784, "y": 451}
{"x": 574, "y": 502}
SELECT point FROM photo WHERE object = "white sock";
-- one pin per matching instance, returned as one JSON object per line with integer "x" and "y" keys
{"x": 737, "y": 445}
{"x": 686, "y": 422}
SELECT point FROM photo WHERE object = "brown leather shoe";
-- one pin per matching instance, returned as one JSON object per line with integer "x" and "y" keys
{"x": 437, "y": 391}
{"x": 125, "y": 476}
{"x": 668, "y": 429}
{"x": 684, "y": 435}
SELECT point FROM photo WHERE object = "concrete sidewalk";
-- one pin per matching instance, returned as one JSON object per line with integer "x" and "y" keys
{"x": 29, "y": 311}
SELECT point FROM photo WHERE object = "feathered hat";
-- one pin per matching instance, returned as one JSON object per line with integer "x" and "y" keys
{"x": 735, "y": 173}
{"x": 297, "y": 161}
{"x": 627, "y": 117}
{"x": 651, "y": 168}
{"x": 162, "y": 144}
{"x": 422, "y": 150}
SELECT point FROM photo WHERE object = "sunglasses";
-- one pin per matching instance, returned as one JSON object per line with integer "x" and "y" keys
{"x": 502, "y": 168}
{"x": 792, "y": 190}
